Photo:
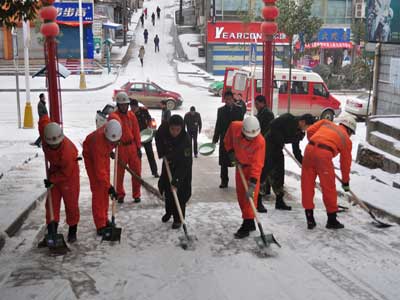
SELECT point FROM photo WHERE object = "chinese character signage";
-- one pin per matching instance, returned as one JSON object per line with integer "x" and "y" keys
{"x": 383, "y": 21}
{"x": 69, "y": 11}
{"x": 334, "y": 35}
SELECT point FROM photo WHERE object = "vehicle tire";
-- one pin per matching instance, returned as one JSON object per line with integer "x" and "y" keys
{"x": 171, "y": 104}
{"x": 220, "y": 92}
{"x": 328, "y": 114}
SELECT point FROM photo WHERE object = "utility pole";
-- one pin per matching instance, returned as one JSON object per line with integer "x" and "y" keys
{"x": 15, "y": 55}
{"x": 28, "y": 116}
{"x": 124, "y": 20}
{"x": 82, "y": 83}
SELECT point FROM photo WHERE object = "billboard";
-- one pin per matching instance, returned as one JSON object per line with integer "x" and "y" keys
{"x": 383, "y": 21}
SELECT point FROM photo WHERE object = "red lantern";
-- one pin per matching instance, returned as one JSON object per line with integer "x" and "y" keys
{"x": 48, "y": 13}
{"x": 269, "y": 1}
{"x": 269, "y": 28}
{"x": 48, "y": 2}
{"x": 270, "y": 12}
{"x": 50, "y": 29}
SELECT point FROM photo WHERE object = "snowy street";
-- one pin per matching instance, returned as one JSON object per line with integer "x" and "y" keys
{"x": 359, "y": 262}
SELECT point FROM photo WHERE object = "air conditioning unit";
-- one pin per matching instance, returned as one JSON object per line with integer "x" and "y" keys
{"x": 359, "y": 9}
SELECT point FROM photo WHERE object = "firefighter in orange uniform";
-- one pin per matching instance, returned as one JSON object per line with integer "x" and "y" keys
{"x": 326, "y": 140}
{"x": 246, "y": 146}
{"x": 63, "y": 177}
{"x": 96, "y": 152}
{"x": 129, "y": 148}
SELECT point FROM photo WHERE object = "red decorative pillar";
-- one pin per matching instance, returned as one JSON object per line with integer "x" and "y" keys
{"x": 50, "y": 30}
{"x": 268, "y": 28}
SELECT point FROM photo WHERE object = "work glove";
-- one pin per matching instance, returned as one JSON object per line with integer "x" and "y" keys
{"x": 232, "y": 157}
{"x": 250, "y": 190}
{"x": 112, "y": 192}
{"x": 48, "y": 184}
{"x": 139, "y": 153}
{"x": 346, "y": 186}
{"x": 112, "y": 155}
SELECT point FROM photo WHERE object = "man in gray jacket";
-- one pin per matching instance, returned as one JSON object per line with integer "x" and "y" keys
{"x": 42, "y": 110}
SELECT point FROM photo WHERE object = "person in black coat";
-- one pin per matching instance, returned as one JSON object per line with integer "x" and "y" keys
{"x": 283, "y": 130}
{"x": 193, "y": 126}
{"x": 158, "y": 12}
{"x": 144, "y": 119}
{"x": 264, "y": 116}
{"x": 145, "y": 35}
{"x": 226, "y": 114}
{"x": 240, "y": 103}
{"x": 173, "y": 143}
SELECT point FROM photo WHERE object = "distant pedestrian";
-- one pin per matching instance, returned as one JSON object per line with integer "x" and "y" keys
{"x": 166, "y": 113}
{"x": 42, "y": 110}
{"x": 141, "y": 54}
{"x": 157, "y": 43}
{"x": 158, "y": 12}
{"x": 145, "y": 12}
{"x": 153, "y": 18}
{"x": 146, "y": 36}
{"x": 193, "y": 126}
{"x": 142, "y": 20}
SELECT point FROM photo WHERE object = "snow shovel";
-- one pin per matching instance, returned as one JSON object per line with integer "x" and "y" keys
{"x": 378, "y": 223}
{"x": 186, "y": 242}
{"x": 54, "y": 241}
{"x": 264, "y": 241}
{"x": 112, "y": 233}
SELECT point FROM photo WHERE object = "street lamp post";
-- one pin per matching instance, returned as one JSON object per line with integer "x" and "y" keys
{"x": 28, "y": 116}
{"x": 82, "y": 82}
{"x": 15, "y": 55}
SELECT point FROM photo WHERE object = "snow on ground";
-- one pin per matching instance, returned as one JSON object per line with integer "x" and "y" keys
{"x": 359, "y": 262}
{"x": 190, "y": 43}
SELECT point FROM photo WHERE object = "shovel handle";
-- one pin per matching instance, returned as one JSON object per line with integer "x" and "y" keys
{"x": 49, "y": 198}
{"x": 292, "y": 156}
{"x": 113, "y": 206}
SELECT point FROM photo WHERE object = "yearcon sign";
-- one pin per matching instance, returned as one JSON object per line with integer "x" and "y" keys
{"x": 238, "y": 32}
{"x": 383, "y": 21}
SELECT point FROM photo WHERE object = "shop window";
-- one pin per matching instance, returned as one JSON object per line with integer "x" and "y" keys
{"x": 282, "y": 86}
{"x": 300, "y": 87}
{"x": 319, "y": 90}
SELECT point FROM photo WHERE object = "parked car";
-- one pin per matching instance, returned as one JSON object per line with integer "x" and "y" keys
{"x": 357, "y": 105}
{"x": 150, "y": 94}
{"x": 102, "y": 115}
{"x": 216, "y": 88}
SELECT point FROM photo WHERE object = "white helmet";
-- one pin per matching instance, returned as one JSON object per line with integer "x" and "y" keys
{"x": 349, "y": 122}
{"x": 113, "y": 130}
{"x": 53, "y": 134}
{"x": 122, "y": 98}
{"x": 251, "y": 127}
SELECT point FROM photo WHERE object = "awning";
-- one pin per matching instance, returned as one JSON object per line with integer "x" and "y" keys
{"x": 111, "y": 25}
{"x": 327, "y": 45}
{"x": 73, "y": 23}
{"x": 62, "y": 71}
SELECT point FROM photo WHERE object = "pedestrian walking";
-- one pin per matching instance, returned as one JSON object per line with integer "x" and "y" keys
{"x": 264, "y": 116}
{"x": 240, "y": 103}
{"x": 245, "y": 146}
{"x": 144, "y": 119}
{"x": 142, "y": 20}
{"x": 326, "y": 140}
{"x": 192, "y": 122}
{"x": 165, "y": 112}
{"x": 156, "y": 43}
{"x": 145, "y": 12}
{"x": 62, "y": 179}
{"x": 145, "y": 35}
{"x": 129, "y": 152}
{"x": 158, "y": 12}
{"x": 226, "y": 114}
{"x": 96, "y": 152}
{"x": 42, "y": 110}
{"x": 173, "y": 144}
{"x": 284, "y": 129}
{"x": 153, "y": 19}
{"x": 141, "y": 54}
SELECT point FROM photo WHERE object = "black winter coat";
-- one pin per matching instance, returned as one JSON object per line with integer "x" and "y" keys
{"x": 193, "y": 122}
{"x": 226, "y": 115}
{"x": 143, "y": 117}
{"x": 265, "y": 116}
{"x": 178, "y": 152}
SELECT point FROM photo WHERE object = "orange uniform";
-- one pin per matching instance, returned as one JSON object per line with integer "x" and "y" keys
{"x": 96, "y": 152}
{"x": 326, "y": 140}
{"x": 64, "y": 174}
{"x": 250, "y": 154}
{"x": 128, "y": 151}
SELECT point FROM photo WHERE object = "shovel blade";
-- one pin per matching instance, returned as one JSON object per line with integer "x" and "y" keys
{"x": 269, "y": 239}
{"x": 56, "y": 244}
{"x": 187, "y": 242}
{"x": 112, "y": 234}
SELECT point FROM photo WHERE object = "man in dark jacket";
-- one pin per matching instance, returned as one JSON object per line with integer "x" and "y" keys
{"x": 156, "y": 44}
{"x": 144, "y": 119}
{"x": 42, "y": 110}
{"x": 240, "y": 103}
{"x": 165, "y": 112}
{"x": 173, "y": 144}
{"x": 264, "y": 116}
{"x": 283, "y": 130}
{"x": 226, "y": 114}
{"x": 193, "y": 126}
{"x": 158, "y": 12}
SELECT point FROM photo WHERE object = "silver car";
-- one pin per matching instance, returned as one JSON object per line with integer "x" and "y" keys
{"x": 358, "y": 105}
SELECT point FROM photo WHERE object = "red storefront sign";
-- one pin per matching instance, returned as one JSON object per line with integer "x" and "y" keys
{"x": 239, "y": 32}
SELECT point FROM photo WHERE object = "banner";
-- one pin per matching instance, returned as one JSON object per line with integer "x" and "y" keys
{"x": 69, "y": 12}
{"x": 383, "y": 21}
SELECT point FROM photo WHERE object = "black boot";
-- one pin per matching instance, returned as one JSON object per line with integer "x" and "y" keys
{"x": 280, "y": 204}
{"x": 121, "y": 199}
{"x": 224, "y": 184}
{"x": 176, "y": 225}
{"x": 332, "y": 222}
{"x": 137, "y": 200}
{"x": 165, "y": 218}
{"x": 244, "y": 230}
{"x": 310, "y": 218}
{"x": 260, "y": 205}
{"x": 72, "y": 233}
